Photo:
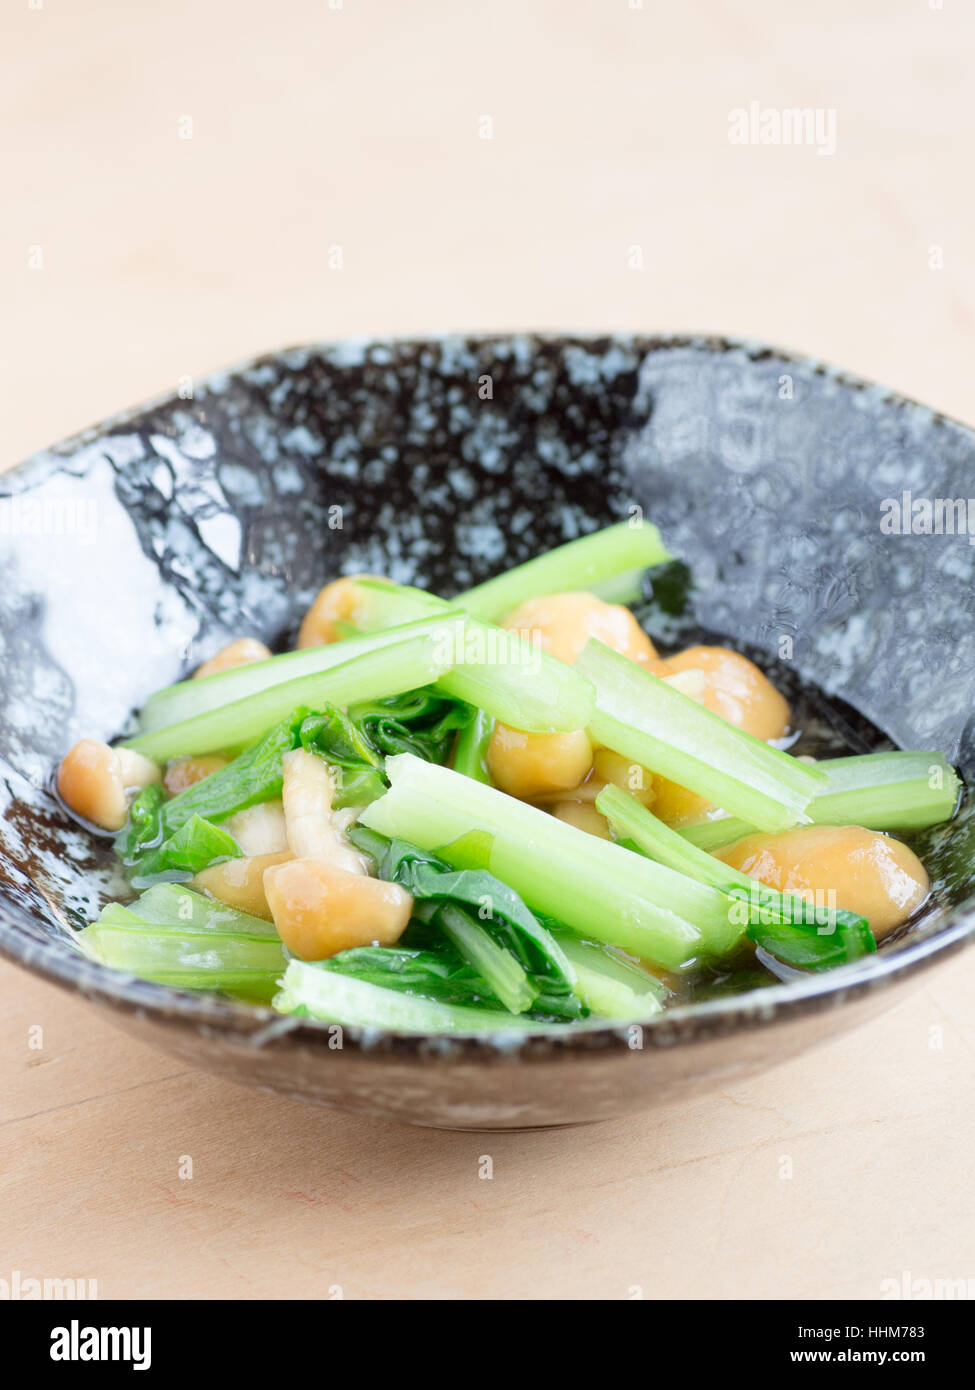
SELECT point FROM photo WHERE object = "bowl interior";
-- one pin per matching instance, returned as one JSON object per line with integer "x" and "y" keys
{"x": 131, "y": 553}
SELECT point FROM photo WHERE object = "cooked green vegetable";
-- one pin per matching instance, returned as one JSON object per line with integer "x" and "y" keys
{"x": 187, "y": 699}
{"x": 609, "y": 563}
{"x": 198, "y": 946}
{"x": 321, "y": 991}
{"x": 880, "y": 791}
{"x": 803, "y": 934}
{"x": 486, "y": 920}
{"x": 195, "y": 845}
{"x": 470, "y": 751}
{"x": 423, "y": 722}
{"x": 609, "y": 983}
{"x": 497, "y": 671}
{"x": 402, "y": 664}
{"x": 660, "y": 728}
{"x": 253, "y": 776}
{"x": 598, "y": 889}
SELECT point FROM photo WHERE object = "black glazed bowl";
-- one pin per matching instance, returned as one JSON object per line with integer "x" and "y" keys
{"x": 130, "y": 553}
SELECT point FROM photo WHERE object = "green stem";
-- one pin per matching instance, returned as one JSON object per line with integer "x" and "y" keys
{"x": 336, "y": 998}
{"x": 497, "y": 671}
{"x": 597, "y": 888}
{"x": 187, "y": 956}
{"x": 189, "y": 698}
{"x": 880, "y": 791}
{"x": 659, "y": 727}
{"x": 609, "y": 984}
{"x": 496, "y": 966}
{"x": 590, "y": 563}
{"x": 470, "y": 750}
{"x": 398, "y": 666}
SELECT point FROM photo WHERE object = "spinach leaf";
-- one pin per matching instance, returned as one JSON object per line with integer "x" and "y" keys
{"x": 194, "y": 845}
{"x": 470, "y": 905}
{"x": 422, "y": 722}
{"x": 345, "y": 746}
{"x": 143, "y": 829}
{"x": 440, "y": 973}
{"x": 255, "y": 775}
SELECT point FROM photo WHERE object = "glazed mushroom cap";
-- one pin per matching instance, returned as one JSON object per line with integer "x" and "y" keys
{"x": 94, "y": 780}
{"x": 320, "y": 909}
{"x": 333, "y": 604}
{"x": 240, "y": 653}
{"x": 531, "y": 766}
{"x": 563, "y": 623}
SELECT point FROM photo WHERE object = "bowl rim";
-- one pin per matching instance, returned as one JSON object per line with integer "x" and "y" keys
{"x": 66, "y": 965}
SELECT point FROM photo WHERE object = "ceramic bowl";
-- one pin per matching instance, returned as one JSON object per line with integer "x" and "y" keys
{"x": 134, "y": 551}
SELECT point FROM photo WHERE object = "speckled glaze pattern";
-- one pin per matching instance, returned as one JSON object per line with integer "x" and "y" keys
{"x": 131, "y": 553}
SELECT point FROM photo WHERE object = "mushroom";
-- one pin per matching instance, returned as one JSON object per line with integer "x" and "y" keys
{"x": 320, "y": 909}
{"x": 186, "y": 772}
{"x": 323, "y": 900}
{"x": 240, "y": 882}
{"x": 533, "y": 766}
{"x": 563, "y": 623}
{"x": 95, "y": 781}
{"x": 312, "y": 831}
{"x": 841, "y": 866}
{"x": 240, "y": 653}
{"x": 334, "y": 604}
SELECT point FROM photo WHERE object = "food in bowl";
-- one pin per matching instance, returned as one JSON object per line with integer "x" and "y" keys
{"x": 507, "y": 810}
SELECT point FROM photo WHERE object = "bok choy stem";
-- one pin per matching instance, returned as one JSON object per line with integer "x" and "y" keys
{"x": 591, "y": 562}
{"x": 880, "y": 791}
{"x": 660, "y": 728}
{"x": 326, "y": 994}
{"x": 402, "y": 664}
{"x": 599, "y": 889}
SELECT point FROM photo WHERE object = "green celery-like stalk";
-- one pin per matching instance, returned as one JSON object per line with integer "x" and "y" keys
{"x": 173, "y": 905}
{"x": 189, "y": 698}
{"x": 597, "y": 888}
{"x": 644, "y": 718}
{"x": 309, "y": 989}
{"x": 398, "y": 666}
{"x": 470, "y": 750}
{"x": 801, "y": 933}
{"x": 187, "y": 956}
{"x": 591, "y": 563}
{"x": 495, "y": 670}
{"x": 609, "y": 984}
{"x": 880, "y": 791}
{"x": 496, "y": 966}
{"x": 715, "y": 834}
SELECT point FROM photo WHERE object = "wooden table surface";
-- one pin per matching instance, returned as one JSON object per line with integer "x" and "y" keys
{"x": 180, "y": 184}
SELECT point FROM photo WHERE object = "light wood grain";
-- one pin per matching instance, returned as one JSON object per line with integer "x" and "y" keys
{"x": 165, "y": 257}
{"x": 286, "y": 1200}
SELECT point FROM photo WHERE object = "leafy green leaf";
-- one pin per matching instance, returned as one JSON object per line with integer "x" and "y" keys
{"x": 195, "y": 845}
{"x": 487, "y": 906}
{"x": 143, "y": 829}
{"x": 422, "y": 722}
{"x": 255, "y": 775}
